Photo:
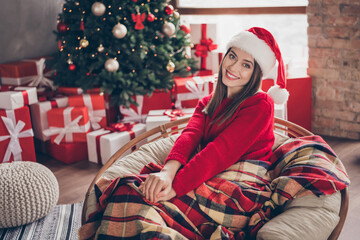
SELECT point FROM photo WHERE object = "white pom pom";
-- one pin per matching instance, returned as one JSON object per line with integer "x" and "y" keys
{"x": 279, "y": 95}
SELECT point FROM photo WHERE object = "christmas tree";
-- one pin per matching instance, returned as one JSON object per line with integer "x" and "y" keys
{"x": 127, "y": 47}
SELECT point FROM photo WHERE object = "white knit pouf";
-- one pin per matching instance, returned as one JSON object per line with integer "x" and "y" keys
{"x": 28, "y": 191}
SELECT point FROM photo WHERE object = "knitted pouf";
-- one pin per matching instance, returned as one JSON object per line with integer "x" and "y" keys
{"x": 28, "y": 191}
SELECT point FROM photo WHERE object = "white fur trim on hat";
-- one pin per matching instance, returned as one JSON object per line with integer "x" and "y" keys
{"x": 256, "y": 47}
{"x": 279, "y": 95}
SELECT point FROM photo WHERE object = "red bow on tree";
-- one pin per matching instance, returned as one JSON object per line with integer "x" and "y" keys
{"x": 139, "y": 19}
{"x": 120, "y": 127}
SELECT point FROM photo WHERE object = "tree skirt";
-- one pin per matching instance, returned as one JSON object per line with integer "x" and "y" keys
{"x": 62, "y": 222}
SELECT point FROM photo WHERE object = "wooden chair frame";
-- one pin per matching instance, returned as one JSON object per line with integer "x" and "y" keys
{"x": 165, "y": 130}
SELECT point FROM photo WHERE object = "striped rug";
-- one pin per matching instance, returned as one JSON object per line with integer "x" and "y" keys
{"x": 62, "y": 222}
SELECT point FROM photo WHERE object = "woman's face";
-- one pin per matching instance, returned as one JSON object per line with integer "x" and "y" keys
{"x": 237, "y": 68}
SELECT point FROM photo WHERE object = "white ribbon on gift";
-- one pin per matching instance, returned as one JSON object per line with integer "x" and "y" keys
{"x": 95, "y": 116}
{"x": 130, "y": 115}
{"x": 198, "y": 89}
{"x": 69, "y": 128}
{"x": 41, "y": 79}
{"x": 15, "y": 131}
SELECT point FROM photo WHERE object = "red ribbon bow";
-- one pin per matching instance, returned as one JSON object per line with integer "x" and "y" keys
{"x": 120, "y": 127}
{"x": 174, "y": 113}
{"x": 138, "y": 19}
{"x": 206, "y": 45}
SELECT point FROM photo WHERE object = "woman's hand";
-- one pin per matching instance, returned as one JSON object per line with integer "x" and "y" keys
{"x": 157, "y": 185}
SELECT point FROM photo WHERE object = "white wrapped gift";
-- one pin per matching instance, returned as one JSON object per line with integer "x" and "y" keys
{"x": 19, "y": 97}
{"x": 156, "y": 118}
{"x": 39, "y": 117}
{"x": 102, "y": 143}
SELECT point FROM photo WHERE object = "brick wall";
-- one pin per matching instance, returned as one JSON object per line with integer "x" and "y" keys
{"x": 334, "y": 54}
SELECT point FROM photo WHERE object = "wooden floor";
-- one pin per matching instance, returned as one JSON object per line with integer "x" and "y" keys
{"x": 74, "y": 180}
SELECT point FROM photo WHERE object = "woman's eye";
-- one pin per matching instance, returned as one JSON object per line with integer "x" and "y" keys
{"x": 246, "y": 65}
{"x": 232, "y": 56}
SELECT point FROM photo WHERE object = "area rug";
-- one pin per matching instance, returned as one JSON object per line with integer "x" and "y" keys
{"x": 62, "y": 222}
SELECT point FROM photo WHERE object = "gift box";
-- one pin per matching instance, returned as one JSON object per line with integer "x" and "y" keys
{"x": 30, "y": 72}
{"x": 158, "y": 100}
{"x": 156, "y": 118}
{"x": 68, "y": 152}
{"x": 39, "y": 115}
{"x": 204, "y": 36}
{"x": 189, "y": 90}
{"x": 103, "y": 143}
{"x": 96, "y": 107}
{"x": 16, "y": 136}
{"x": 19, "y": 97}
{"x": 69, "y": 124}
{"x": 68, "y": 91}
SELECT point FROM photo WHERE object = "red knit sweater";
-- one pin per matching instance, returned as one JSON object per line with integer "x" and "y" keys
{"x": 248, "y": 135}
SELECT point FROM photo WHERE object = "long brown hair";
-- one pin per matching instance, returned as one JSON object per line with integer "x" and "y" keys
{"x": 220, "y": 94}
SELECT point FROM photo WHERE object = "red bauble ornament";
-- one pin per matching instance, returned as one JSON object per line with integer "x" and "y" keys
{"x": 188, "y": 68}
{"x": 62, "y": 27}
{"x": 72, "y": 67}
{"x": 150, "y": 17}
{"x": 185, "y": 29}
{"x": 169, "y": 9}
{"x": 134, "y": 0}
{"x": 87, "y": 74}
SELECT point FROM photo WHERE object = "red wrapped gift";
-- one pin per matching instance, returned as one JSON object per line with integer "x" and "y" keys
{"x": 158, "y": 100}
{"x": 96, "y": 107}
{"x": 204, "y": 35}
{"x": 76, "y": 91}
{"x": 18, "y": 97}
{"x": 188, "y": 91}
{"x": 68, "y": 152}
{"x": 16, "y": 136}
{"x": 39, "y": 115}
{"x": 69, "y": 124}
{"x": 31, "y": 72}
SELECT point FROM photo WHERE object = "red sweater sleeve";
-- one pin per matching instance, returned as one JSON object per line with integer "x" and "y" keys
{"x": 191, "y": 136}
{"x": 228, "y": 147}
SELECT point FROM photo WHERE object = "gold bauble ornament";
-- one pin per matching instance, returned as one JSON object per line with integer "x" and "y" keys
{"x": 84, "y": 43}
{"x": 168, "y": 29}
{"x": 119, "y": 31}
{"x": 176, "y": 14}
{"x": 170, "y": 66}
{"x": 100, "y": 48}
{"x": 111, "y": 65}
{"x": 191, "y": 45}
{"x": 98, "y": 9}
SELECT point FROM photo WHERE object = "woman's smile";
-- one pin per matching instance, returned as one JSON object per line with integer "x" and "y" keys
{"x": 231, "y": 76}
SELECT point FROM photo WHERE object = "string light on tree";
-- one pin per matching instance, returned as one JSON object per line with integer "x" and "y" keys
{"x": 98, "y": 9}
{"x": 119, "y": 31}
{"x": 111, "y": 65}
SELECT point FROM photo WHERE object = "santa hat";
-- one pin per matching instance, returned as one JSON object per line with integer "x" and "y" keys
{"x": 261, "y": 45}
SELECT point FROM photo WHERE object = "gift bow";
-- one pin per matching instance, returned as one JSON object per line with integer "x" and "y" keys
{"x": 120, "y": 127}
{"x": 130, "y": 114}
{"x": 15, "y": 132}
{"x": 95, "y": 116}
{"x": 69, "y": 128}
{"x": 174, "y": 113}
{"x": 198, "y": 90}
{"x": 206, "y": 45}
{"x": 41, "y": 79}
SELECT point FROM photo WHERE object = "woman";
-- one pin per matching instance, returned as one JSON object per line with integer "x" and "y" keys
{"x": 233, "y": 124}
{"x": 215, "y": 194}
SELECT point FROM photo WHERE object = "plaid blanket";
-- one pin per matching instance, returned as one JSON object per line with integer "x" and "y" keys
{"x": 235, "y": 204}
